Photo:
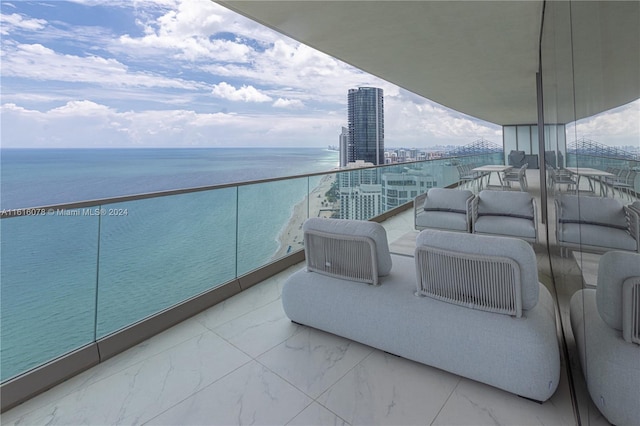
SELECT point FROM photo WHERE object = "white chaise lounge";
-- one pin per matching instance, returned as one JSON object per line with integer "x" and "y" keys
{"x": 476, "y": 309}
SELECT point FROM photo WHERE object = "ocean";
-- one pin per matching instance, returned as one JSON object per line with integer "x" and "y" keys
{"x": 68, "y": 279}
{"x": 36, "y": 177}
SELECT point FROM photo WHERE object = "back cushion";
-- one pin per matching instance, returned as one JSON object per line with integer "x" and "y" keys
{"x": 487, "y": 245}
{"x": 592, "y": 210}
{"x": 506, "y": 203}
{"x": 443, "y": 199}
{"x": 360, "y": 228}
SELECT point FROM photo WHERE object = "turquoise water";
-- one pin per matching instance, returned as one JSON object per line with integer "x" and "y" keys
{"x": 67, "y": 280}
{"x": 36, "y": 177}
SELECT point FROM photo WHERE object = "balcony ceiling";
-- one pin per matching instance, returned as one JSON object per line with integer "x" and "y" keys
{"x": 477, "y": 57}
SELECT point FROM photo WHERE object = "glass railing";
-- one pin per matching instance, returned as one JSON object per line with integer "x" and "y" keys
{"x": 76, "y": 273}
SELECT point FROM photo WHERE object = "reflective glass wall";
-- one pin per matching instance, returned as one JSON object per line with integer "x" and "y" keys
{"x": 591, "y": 85}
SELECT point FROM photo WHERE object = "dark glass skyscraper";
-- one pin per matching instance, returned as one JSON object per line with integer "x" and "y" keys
{"x": 366, "y": 125}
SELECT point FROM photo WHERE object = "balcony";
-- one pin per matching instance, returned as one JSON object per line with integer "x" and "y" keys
{"x": 242, "y": 360}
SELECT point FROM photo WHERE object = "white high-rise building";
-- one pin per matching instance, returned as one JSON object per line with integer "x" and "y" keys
{"x": 400, "y": 188}
{"x": 343, "y": 145}
{"x": 360, "y": 192}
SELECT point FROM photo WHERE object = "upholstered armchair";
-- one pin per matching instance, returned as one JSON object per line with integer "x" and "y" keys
{"x": 505, "y": 213}
{"x": 596, "y": 224}
{"x": 442, "y": 208}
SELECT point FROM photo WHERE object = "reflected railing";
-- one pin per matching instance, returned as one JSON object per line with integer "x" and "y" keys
{"x": 75, "y": 273}
{"x": 606, "y": 164}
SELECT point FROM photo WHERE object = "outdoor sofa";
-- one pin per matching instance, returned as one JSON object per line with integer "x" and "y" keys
{"x": 500, "y": 213}
{"x": 495, "y": 325}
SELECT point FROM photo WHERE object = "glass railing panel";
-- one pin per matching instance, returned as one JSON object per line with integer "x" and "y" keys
{"x": 157, "y": 252}
{"x": 48, "y": 290}
{"x": 270, "y": 217}
{"x": 324, "y": 198}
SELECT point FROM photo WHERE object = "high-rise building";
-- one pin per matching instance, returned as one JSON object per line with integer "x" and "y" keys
{"x": 343, "y": 146}
{"x": 366, "y": 125}
{"x": 400, "y": 188}
{"x": 360, "y": 192}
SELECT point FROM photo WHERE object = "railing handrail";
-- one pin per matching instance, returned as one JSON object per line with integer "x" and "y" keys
{"x": 51, "y": 208}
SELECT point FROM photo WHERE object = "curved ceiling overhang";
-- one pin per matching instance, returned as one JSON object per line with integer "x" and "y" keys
{"x": 476, "y": 57}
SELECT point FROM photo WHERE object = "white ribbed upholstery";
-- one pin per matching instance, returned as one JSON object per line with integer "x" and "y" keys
{"x": 631, "y": 310}
{"x": 342, "y": 256}
{"x": 487, "y": 283}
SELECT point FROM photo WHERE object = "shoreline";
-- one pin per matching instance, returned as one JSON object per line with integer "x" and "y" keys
{"x": 290, "y": 237}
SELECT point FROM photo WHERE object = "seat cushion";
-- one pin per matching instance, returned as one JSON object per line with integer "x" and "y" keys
{"x": 505, "y": 225}
{"x": 442, "y": 220}
{"x": 598, "y": 236}
{"x": 360, "y": 228}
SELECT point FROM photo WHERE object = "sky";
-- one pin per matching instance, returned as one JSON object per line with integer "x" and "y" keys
{"x": 190, "y": 73}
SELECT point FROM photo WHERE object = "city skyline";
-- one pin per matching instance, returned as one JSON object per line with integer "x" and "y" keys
{"x": 190, "y": 73}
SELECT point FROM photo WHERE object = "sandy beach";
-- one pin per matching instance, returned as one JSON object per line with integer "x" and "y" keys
{"x": 290, "y": 238}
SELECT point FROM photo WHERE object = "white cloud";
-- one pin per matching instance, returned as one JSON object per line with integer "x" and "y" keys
{"x": 288, "y": 103}
{"x": 186, "y": 33}
{"x": 245, "y": 93}
{"x": 9, "y": 23}
{"x": 88, "y": 124}
{"x": 37, "y": 62}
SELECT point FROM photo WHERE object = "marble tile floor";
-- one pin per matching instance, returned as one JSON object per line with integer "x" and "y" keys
{"x": 243, "y": 362}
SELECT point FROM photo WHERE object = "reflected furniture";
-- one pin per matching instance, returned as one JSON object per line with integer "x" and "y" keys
{"x": 505, "y": 213}
{"x": 443, "y": 208}
{"x": 590, "y": 173}
{"x": 520, "y": 158}
{"x": 475, "y": 310}
{"x": 558, "y": 177}
{"x": 519, "y": 176}
{"x": 595, "y": 224}
{"x": 625, "y": 183}
{"x": 489, "y": 169}
{"x": 606, "y": 326}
